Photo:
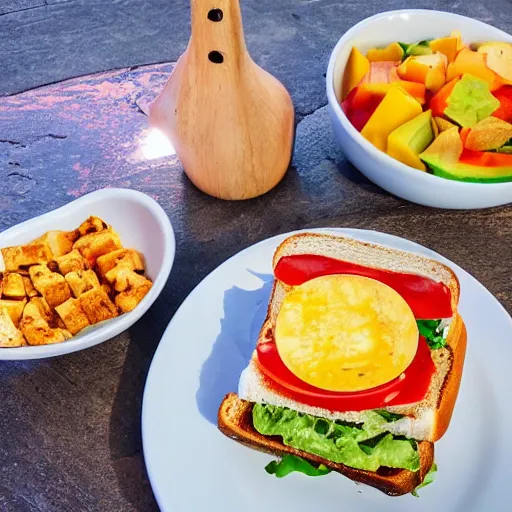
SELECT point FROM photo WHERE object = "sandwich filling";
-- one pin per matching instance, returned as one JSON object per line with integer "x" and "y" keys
{"x": 342, "y": 353}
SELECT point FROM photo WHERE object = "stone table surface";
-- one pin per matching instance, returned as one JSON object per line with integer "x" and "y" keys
{"x": 70, "y": 426}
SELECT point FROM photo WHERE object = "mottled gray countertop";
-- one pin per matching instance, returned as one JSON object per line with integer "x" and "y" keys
{"x": 70, "y": 426}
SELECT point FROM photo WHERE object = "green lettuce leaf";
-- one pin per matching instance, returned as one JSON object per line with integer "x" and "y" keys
{"x": 431, "y": 330}
{"x": 290, "y": 463}
{"x": 367, "y": 446}
{"x": 429, "y": 478}
{"x": 389, "y": 416}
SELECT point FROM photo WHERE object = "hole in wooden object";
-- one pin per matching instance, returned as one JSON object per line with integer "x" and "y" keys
{"x": 215, "y": 15}
{"x": 216, "y": 57}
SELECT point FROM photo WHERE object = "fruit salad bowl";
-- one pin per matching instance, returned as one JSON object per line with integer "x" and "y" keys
{"x": 390, "y": 174}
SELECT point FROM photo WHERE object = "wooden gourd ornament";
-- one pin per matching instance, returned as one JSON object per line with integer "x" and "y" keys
{"x": 230, "y": 122}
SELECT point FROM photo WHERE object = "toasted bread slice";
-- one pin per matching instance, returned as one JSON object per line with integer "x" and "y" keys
{"x": 235, "y": 421}
{"x": 426, "y": 420}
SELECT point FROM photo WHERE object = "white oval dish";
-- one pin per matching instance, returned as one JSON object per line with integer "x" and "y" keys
{"x": 141, "y": 223}
{"x": 386, "y": 172}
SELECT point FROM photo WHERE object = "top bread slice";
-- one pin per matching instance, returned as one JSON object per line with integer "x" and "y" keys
{"x": 426, "y": 420}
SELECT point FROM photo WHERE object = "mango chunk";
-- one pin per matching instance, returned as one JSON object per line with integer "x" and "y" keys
{"x": 472, "y": 63}
{"x": 391, "y": 52}
{"x": 357, "y": 67}
{"x": 396, "y": 108}
{"x": 445, "y": 45}
{"x": 429, "y": 70}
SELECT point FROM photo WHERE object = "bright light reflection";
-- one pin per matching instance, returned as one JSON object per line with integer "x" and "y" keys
{"x": 156, "y": 145}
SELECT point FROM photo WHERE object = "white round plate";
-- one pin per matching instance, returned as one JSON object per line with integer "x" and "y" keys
{"x": 193, "y": 467}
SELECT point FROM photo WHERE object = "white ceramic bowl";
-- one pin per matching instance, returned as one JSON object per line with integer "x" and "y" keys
{"x": 388, "y": 173}
{"x": 141, "y": 223}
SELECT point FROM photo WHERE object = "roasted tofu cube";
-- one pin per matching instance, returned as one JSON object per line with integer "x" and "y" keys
{"x": 52, "y": 286}
{"x": 30, "y": 291}
{"x": 132, "y": 287}
{"x": 71, "y": 262}
{"x": 106, "y": 289}
{"x": 82, "y": 281}
{"x": 59, "y": 242}
{"x": 97, "y": 305}
{"x": 47, "y": 312}
{"x": 92, "y": 225}
{"x": 123, "y": 258}
{"x": 14, "y": 308}
{"x": 9, "y": 334}
{"x": 94, "y": 245}
{"x": 72, "y": 315}
{"x": 36, "y": 329}
{"x": 13, "y": 286}
{"x": 25, "y": 255}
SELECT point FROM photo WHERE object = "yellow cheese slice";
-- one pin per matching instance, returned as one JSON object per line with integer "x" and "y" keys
{"x": 345, "y": 333}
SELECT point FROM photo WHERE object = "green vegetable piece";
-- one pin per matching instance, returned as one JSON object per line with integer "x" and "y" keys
{"x": 389, "y": 416}
{"x": 431, "y": 331}
{"x": 365, "y": 446}
{"x": 506, "y": 148}
{"x": 470, "y": 101}
{"x": 290, "y": 463}
{"x": 420, "y": 48}
{"x": 429, "y": 478}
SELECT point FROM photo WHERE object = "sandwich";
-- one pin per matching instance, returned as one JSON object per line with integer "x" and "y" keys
{"x": 357, "y": 365}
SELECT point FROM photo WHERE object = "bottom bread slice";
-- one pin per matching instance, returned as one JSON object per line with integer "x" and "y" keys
{"x": 235, "y": 421}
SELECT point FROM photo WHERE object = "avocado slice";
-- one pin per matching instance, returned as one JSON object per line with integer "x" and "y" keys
{"x": 409, "y": 140}
{"x": 421, "y": 48}
{"x": 442, "y": 158}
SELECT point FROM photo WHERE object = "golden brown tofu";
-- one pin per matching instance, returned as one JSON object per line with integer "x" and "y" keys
{"x": 30, "y": 291}
{"x": 52, "y": 286}
{"x": 36, "y": 328}
{"x": 13, "y": 286}
{"x": 44, "y": 309}
{"x": 14, "y": 308}
{"x": 92, "y": 225}
{"x": 106, "y": 288}
{"x": 25, "y": 256}
{"x": 9, "y": 334}
{"x": 59, "y": 242}
{"x": 94, "y": 245}
{"x": 109, "y": 264}
{"x": 97, "y": 305}
{"x": 82, "y": 281}
{"x": 72, "y": 315}
{"x": 132, "y": 287}
{"x": 71, "y": 262}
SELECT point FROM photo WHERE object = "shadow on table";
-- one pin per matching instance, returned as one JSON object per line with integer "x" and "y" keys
{"x": 125, "y": 436}
{"x": 244, "y": 313}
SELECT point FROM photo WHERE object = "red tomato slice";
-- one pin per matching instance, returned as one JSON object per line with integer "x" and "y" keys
{"x": 427, "y": 298}
{"x": 411, "y": 387}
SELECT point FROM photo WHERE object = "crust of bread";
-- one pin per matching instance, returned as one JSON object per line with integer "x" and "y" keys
{"x": 235, "y": 421}
{"x": 456, "y": 344}
{"x": 449, "y": 360}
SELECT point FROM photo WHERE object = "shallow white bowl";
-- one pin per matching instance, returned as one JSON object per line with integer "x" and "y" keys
{"x": 388, "y": 173}
{"x": 141, "y": 223}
